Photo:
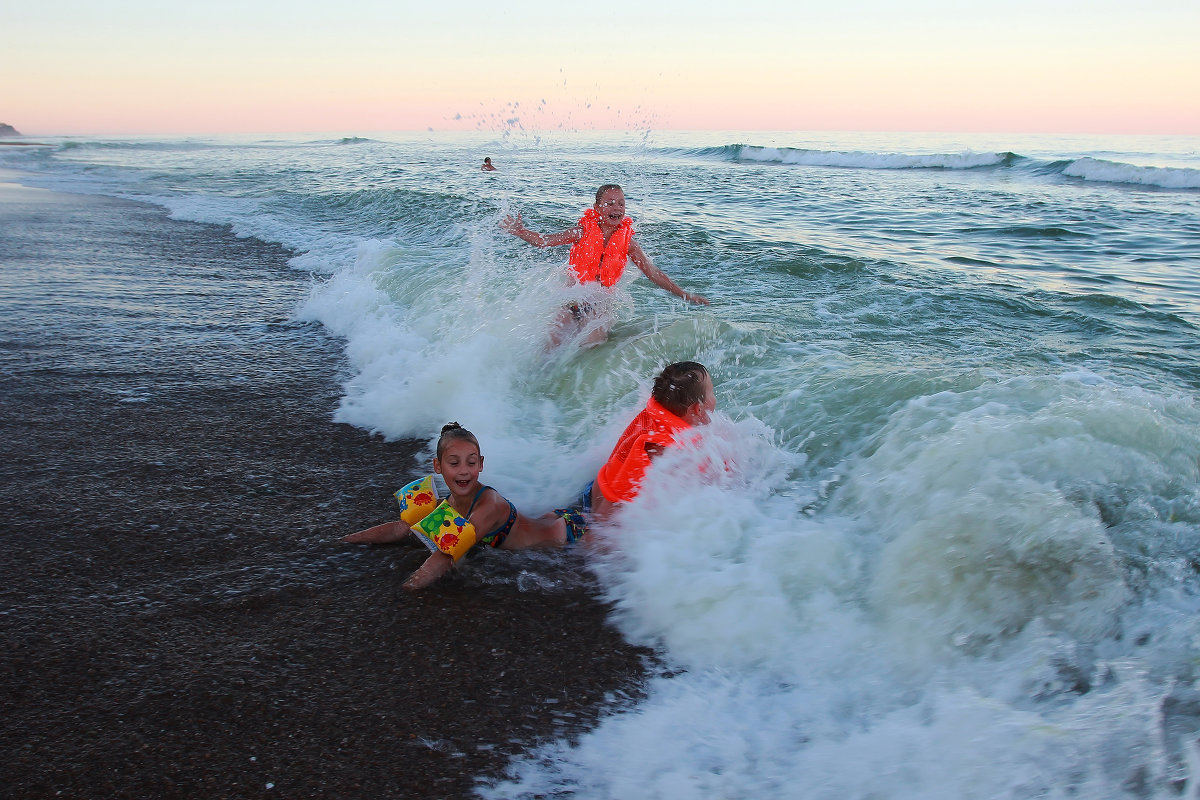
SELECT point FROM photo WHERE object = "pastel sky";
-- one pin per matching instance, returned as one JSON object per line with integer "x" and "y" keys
{"x": 360, "y": 66}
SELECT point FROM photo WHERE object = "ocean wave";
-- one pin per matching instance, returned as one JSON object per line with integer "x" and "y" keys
{"x": 728, "y": 152}
{"x": 1085, "y": 168}
{"x": 1097, "y": 169}
{"x": 865, "y": 160}
{"x": 1026, "y": 231}
{"x": 345, "y": 140}
{"x": 127, "y": 144}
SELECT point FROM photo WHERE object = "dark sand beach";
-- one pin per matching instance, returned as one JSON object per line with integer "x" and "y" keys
{"x": 178, "y": 617}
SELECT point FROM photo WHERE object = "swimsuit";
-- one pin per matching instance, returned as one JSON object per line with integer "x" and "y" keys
{"x": 580, "y": 309}
{"x": 496, "y": 537}
{"x": 573, "y": 516}
{"x": 577, "y": 526}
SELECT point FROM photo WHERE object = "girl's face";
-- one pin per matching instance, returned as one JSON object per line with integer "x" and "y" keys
{"x": 459, "y": 465}
{"x": 701, "y": 413}
{"x": 611, "y": 207}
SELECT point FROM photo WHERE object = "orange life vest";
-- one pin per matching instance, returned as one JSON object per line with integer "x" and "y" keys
{"x": 591, "y": 259}
{"x": 621, "y": 476}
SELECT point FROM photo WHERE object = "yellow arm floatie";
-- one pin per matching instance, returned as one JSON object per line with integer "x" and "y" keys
{"x": 446, "y": 530}
{"x": 417, "y": 499}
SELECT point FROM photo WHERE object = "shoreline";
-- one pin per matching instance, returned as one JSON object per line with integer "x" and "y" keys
{"x": 182, "y": 620}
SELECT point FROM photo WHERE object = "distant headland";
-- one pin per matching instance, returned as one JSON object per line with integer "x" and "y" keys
{"x": 8, "y": 131}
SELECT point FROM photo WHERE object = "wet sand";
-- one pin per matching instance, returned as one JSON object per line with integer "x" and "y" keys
{"x": 178, "y": 617}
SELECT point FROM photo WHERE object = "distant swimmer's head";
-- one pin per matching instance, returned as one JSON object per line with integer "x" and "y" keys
{"x": 610, "y": 202}
{"x": 686, "y": 390}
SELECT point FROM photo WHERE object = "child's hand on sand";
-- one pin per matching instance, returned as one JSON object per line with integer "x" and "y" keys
{"x": 437, "y": 565}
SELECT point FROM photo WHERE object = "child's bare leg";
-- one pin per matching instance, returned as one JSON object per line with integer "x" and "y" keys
{"x": 597, "y": 336}
{"x": 602, "y": 507}
{"x": 595, "y": 325}
{"x": 437, "y": 565}
{"x": 548, "y": 530}
{"x": 566, "y": 325}
{"x": 386, "y": 533}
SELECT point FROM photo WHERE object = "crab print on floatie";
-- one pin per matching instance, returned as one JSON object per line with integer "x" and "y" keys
{"x": 447, "y": 530}
{"x": 417, "y": 499}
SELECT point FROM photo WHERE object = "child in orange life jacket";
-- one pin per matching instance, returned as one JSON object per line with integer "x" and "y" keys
{"x": 682, "y": 399}
{"x": 601, "y": 242}
{"x": 458, "y": 523}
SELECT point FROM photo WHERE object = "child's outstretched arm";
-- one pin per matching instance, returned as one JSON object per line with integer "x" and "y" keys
{"x": 659, "y": 278}
{"x": 517, "y": 228}
{"x": 386, "y": 533}
{"x": 437, "y": 565}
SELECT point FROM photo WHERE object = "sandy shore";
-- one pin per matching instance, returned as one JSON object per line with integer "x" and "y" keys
{"x": 178, "y": 617}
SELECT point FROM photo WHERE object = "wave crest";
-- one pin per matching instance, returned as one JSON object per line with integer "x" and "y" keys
{"x": 1098, "y": 169}
{"x": 862, "y": 160}
{"x": 183, "y": 145}
{"x": 1085, "y": 168}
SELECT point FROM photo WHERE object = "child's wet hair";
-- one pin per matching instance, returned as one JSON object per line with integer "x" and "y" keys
{"x": 606, "y": 187}
{"x": 452, "y": 431}
{"x": 680, "y": 386}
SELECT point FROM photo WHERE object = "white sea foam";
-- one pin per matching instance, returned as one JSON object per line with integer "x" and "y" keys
{"x": 958, "y": 623}
{"x": 828, "y": 158}
{"x": 1096, "y": 169}
{"x": 425, "y": 334}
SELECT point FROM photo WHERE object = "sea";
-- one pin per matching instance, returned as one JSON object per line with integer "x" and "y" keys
{"x": 942, "y": 536}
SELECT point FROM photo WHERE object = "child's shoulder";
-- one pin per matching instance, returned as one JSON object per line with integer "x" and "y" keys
{"x": 494, "y": 498}
{"x": 491, "y": 510}
{"x": 490, "y": 500}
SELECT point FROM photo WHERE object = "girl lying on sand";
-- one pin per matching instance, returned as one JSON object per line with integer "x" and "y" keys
{"x": 473, "y": 515}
